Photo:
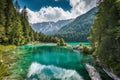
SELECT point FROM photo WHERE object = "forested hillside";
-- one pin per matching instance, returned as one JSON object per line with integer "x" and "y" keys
{"x": 105, "y": 35}
{"x": 14, "y": 27}
{"x": 78, "y": 30}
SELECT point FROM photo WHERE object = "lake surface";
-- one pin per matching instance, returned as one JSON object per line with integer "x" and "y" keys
{"x": 50, "y": 62}
{"x": 76, "y": 43}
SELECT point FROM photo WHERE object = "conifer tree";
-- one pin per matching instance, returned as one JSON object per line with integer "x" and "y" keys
{"x": 16, "y": 5}
{"x": 105, "y": 35}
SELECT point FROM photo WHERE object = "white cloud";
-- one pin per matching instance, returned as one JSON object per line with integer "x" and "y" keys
{"x": 48, "y": 14}
{"x": 81, "y": 6}
{"x": 56, "y": 13}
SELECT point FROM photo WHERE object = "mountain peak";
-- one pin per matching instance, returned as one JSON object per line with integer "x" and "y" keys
{"x": 50, "y": 27}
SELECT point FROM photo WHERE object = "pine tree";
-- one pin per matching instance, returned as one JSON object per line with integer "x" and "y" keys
{"x": 17, "y": 32}
{"x": 24, "y": 12}
{"x": 16, "y": 5}
{"x": 2, "y": 20}
{"x": 105, "y": 34}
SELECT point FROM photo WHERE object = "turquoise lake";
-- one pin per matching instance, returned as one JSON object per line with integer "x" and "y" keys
{"x": 76, "y": 43}
{"x": 50, "y": 62}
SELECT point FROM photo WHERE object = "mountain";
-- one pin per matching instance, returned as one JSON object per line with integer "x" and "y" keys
{"x": 78, "y": 30}
{"x": 50, "y": 27}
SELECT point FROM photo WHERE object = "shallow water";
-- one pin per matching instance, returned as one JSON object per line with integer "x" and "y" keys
{"x": 77, "y": 43}
{"x": 49, "y": 62}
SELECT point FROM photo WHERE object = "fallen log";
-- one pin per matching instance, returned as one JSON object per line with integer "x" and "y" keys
{"x": 112, "y": 75}
{"x": 94, "y": 75}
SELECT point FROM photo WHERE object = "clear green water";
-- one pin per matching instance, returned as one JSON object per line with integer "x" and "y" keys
{"x": 76, "y": 43}
{"x": 49, "y": 62}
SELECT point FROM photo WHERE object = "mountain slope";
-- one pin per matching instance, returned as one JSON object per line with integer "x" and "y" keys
{"x": 78, "y": 30}
{"x": 50, "y": 27}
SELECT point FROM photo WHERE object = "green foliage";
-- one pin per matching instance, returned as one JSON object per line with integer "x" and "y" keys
{"x": 78, "y": 30}
{"x": 86, "y": 50}
{"x": 61, "y": 42}
{"x": 47, "y": 38}
{"x": 5, "y": 60}
{"x": 7, "y": 48}
{"x": 105, "y": 34}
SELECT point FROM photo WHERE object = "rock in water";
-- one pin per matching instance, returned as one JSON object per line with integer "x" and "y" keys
{"x": 94, "y": 75}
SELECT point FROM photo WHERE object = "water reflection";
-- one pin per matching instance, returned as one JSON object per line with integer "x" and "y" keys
{"x": 43, "y": 72}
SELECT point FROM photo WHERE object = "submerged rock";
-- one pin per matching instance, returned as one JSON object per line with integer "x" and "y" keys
{"x": 94, "y": 75}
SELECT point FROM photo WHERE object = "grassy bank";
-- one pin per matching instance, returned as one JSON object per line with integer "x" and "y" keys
{"x": 5, "y": 60}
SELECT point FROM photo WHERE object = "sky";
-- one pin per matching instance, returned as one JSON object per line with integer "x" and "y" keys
{"x": 36, "y": 5}
{"x": 55, "y": 10}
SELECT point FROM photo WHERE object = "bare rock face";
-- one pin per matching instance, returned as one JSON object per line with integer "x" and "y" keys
{"x": 94, "y": 75}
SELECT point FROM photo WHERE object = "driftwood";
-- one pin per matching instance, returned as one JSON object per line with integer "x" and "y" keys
{"x": 94, "y": 75}
{"x": 112, "y": 75}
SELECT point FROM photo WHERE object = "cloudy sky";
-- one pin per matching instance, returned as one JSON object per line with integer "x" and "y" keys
{"x": 54, "y": 10}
